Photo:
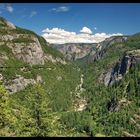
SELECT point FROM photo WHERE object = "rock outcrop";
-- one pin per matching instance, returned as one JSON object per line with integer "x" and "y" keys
{"x": 116, "y": 73}
{"x": 30, "y": 53}
{"x": 18, "y": 84}
{"x": 115, "y": 105}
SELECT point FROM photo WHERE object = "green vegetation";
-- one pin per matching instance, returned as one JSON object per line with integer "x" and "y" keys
{"x": 24, "y": 40}
{"x": 5, "y": 112}
{"x": 114, "y": 123}
{"x": 46, "y": 108}
{"x": 48, "y": 49}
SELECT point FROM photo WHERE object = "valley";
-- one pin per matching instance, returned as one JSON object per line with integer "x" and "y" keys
{"x": 69, "y": 90}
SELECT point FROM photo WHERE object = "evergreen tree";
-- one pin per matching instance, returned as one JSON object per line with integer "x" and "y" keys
{"x": 37, "y": 119}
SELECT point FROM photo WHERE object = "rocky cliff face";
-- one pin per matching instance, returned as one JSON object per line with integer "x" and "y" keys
{"x": 100, "y": 49}
{"x": 24, "y": 44}
{"x": 112, "y": 40}
{"x": 96, "y": 53}
{"x": 75, "y": 51}
{"x": 30, "y": 53}
{"x": 116, "y": 73}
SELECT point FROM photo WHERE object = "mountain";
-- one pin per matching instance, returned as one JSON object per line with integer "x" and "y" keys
{"x": 76, "y": 51}
{"x": 89, "y": 90}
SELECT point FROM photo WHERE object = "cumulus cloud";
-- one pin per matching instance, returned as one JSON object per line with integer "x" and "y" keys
{"x": 60, "y": 9}
{"x": 33, "y": 13}
{"x": 86, "y": 30}
{"x": 60, "y": 36}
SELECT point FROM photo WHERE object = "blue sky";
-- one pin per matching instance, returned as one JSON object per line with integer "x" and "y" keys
{"x": 106, "y": 18}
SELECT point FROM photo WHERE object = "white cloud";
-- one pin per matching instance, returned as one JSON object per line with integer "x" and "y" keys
{"x": 60, "y": 9}
{"x": 33, "y": 13}
{"x": 60, "y": 36}
{"x": 9, "y": 8}
{"x": 86, "y": 30}
{"x": 6, "y": 7}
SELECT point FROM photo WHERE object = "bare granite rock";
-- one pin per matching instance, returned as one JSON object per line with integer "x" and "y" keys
{"x": 18, "y": 84}
{"x": 117, "y": 71}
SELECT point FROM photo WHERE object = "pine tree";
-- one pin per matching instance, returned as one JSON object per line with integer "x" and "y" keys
{"x": 37, "y": 119}
{"x": 41, "y": 111}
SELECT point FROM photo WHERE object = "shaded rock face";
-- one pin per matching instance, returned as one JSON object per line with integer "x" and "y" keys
{"x": 117, "y": 72}
{"x": 107, "y": 77}
{"x": 96, "y": 54}
{"x": 100, "y": 48}
{"x": 111, "y": 105}
{"x": 75, "y": 51}
{"x": 115, "y": 105}
{"x": 18, "y": 84}
{"x": 112, "y": 40}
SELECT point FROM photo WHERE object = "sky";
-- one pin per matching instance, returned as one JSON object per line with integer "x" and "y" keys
{"x": 74, "y": 22}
